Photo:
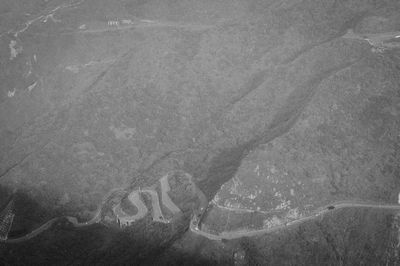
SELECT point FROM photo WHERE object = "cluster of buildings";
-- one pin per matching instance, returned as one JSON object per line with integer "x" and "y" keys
{"x": 6, "y": 220}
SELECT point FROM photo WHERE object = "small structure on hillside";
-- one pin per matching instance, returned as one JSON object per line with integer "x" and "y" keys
{"x": 113, "y": 23}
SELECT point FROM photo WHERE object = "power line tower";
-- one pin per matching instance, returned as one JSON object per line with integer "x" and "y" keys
{"x": 6, "y": 219}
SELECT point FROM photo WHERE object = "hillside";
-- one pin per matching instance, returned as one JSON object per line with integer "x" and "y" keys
{"x": 275, "y": 109}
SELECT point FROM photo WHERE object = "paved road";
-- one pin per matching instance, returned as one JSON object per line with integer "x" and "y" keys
{"x": 48, "y": 224}
{"x": 134, "y": 197}
{"x": 165, "y": 188}
{"x": 126, "y": 219}
{"x": 194, "y": 224}
{"x": 144, "y": 24}
{"x": 155, "y": 203}
{"x": 379, "y": 40}
{"x": 32, "y": 234}
{"x": 96, "y": 218}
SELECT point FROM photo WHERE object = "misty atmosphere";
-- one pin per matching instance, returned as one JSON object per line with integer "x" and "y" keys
{"x": 200, "y": 132}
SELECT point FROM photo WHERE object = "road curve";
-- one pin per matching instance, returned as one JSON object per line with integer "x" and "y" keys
{"x": 126, "y": 219}
{"x": 155, "y": 203}
{"x": 32, "y": 234}
{"x": 166, "y": 200}
{"x": 142, "y": 209}
{"x": 73, "y": 220}
{"x": 134, "y": 197}
{"x": 194, "y": 224}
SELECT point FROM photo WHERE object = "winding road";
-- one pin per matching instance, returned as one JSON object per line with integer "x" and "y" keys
{"x": 73, "y": 220}
{"x": 126, "y": 219}
{"x": 155, "y": 203}
{"x": 157, "y": 212}
{"x": 165, "y": 188}
{"x": 194, "y": 224}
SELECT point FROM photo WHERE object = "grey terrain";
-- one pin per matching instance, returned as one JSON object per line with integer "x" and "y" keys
{"x": 199, "y": 132}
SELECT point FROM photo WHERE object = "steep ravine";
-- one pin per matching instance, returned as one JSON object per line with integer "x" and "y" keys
{"x": 224, "y": 165}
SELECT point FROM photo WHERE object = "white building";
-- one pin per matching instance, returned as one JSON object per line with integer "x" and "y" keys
{"x": 113, "y": 23}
